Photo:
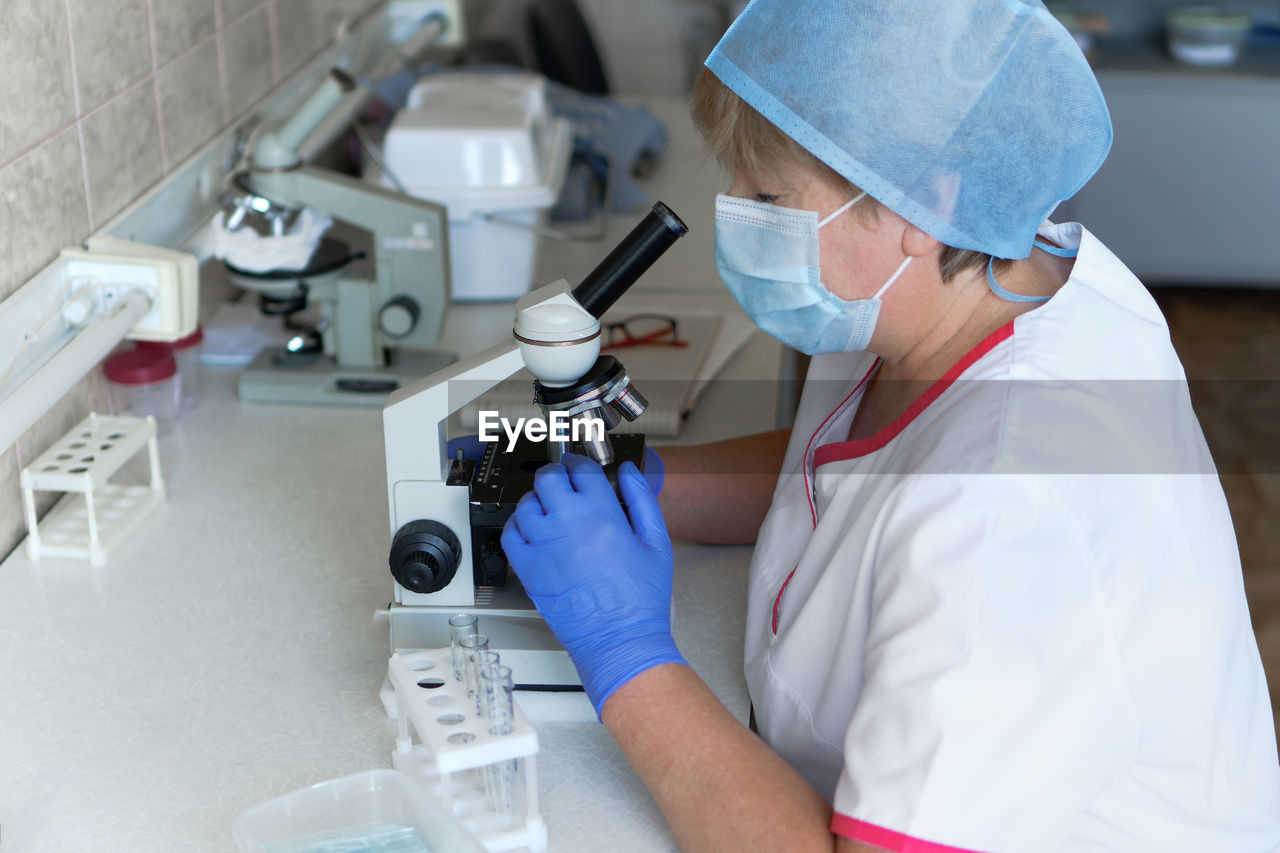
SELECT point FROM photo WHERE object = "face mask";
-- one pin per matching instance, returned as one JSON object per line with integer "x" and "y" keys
{"x": 768, "y": 258}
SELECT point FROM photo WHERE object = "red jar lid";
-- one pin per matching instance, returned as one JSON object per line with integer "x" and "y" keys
{"x": 190, "y": 340}
{"x": 140, "y": 366}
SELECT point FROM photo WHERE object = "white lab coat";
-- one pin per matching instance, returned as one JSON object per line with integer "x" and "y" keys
{"x": 1015, "y": 619}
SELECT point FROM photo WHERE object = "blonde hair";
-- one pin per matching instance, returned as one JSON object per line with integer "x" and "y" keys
{"x": 742, "y": 140}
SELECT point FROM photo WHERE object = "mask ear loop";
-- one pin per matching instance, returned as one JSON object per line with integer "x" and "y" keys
{"x": 892, "y": 278}
{"x": 842, "y": 208}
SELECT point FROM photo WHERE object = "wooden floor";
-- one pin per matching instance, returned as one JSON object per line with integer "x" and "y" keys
{"x": 1229, "y": 342}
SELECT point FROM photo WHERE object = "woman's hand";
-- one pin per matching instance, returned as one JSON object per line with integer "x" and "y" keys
{"x": 601, "y": 579}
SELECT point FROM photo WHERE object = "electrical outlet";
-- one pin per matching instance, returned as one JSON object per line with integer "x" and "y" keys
{"x": 178, "y": 278}
{"x": 114, "y": 266}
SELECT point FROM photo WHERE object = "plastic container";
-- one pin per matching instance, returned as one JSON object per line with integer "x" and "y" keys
{"x": 486, "y": 147}
{"x": 1205, "y": 36}
{"x": 186, "y": 352}
{"x": 143, "y": 382}
{"x": 383, "y": 808}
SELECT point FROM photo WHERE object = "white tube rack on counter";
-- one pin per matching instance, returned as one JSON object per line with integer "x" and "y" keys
{"x": 455, "y": 747}
{"x": 82, "y": 462}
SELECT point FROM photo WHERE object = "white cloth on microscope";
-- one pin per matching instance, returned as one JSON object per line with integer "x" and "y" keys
{"x": 247, "y": 250}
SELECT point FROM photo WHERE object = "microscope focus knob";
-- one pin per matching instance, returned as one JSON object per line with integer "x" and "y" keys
{"x": 399, "y": 317}
{"x": 492, "y": 564}
{"x": 425, "y": 556}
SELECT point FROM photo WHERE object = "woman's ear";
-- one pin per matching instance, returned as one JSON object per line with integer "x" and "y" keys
{"x": 917, "y": 244}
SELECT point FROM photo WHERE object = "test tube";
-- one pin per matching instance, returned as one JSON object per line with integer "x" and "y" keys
{"x": 471, "y": 647}
{"x": 495, "y": 680}
{"x": 483, "y": 660}
{"x": 500, "y": 777}
{"x": 462, "y": 625}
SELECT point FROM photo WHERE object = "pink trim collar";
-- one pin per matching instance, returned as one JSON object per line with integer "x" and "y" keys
{"x": 804, "y": 463}
{"x": 840, "y": 450}
{"x": 888, "y": 839}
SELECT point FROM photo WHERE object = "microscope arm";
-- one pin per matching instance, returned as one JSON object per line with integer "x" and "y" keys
{"x": 279, "y": 149}
{"x": 417, "y": 413}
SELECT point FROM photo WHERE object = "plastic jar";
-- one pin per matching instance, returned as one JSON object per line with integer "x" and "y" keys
{"x": 186, "y": 352}
{"x": 143, "y": 382}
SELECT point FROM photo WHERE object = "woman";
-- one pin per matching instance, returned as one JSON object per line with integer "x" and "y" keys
{"x": 995, "y": 603}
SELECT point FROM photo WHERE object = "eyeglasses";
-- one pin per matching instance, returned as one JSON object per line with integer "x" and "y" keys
{"x": 642, "y": 330}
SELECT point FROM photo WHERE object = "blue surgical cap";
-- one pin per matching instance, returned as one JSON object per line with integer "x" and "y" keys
{"x": 971, "y": 119}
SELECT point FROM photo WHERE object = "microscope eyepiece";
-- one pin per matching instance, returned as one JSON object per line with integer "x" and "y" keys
{"x": 629, "y": 260}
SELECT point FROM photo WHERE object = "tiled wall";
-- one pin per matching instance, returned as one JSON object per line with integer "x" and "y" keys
{"x": 99, "y": 99}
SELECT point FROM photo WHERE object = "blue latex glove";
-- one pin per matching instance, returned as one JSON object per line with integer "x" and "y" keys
{"x": 602, "y": 582}
{"x": 473, "y": 449}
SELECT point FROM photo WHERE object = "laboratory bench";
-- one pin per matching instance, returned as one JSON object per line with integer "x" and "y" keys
{"x": 232, "y": 651}
{"x": 233, "y": 647}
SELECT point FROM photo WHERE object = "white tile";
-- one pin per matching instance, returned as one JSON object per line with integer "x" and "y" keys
{"x": 112, "y": 44}
{"x": 233, "y": 10}
{"x": 190, "y": 102}
{"x": 36, "y": 93}
{"x": 300, "y": 32}
{"x": 246, "y": 60}
{"x": 122, "y": 150}
{"x": 180, "y": 25}
{"x": 42, "y": 208}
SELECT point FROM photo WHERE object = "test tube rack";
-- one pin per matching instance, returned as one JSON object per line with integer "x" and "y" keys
{"x": 83, "y": 461}
{"x": 455, "y": 746}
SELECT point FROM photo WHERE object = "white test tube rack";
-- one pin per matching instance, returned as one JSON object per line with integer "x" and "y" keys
{"x": 82, "y": 462}
{"x": 454, "y": 740}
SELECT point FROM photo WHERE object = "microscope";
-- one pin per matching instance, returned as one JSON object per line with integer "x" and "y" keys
{"x": 447, "y": 514}
{"x": 378, "y": 315}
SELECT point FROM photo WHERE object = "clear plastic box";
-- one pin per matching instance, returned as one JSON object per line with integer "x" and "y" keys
{"x": 378, "y": 811}
{"x": 187, "y": 353}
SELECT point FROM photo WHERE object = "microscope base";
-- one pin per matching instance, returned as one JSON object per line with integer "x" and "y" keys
{"x": 323, "y": 382}
{"x": 513, "y": 626}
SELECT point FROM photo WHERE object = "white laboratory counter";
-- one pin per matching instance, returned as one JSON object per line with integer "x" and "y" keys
{"x": 229, "y": 651}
